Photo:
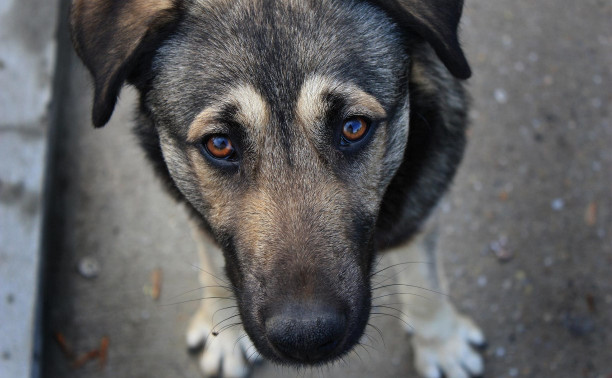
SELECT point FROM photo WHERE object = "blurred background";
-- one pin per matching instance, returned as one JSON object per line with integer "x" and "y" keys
{"x": 87, "y": 236}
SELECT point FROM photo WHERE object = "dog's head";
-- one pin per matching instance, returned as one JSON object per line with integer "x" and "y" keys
{"x": 282, "y": 123}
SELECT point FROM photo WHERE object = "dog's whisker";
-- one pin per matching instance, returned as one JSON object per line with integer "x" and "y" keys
{"x": 250, "y": 357}
{"x": 209, "y": 273}
{"x": 200, "y": 288}
{"x": 215, "y": 333}
{"x": 212, "y": 318}
{"x": 390, "y": 294}
{"x": 398, "y": 264}
{"x": 194, "y": 300}
{"x": 394, "y": 316}
{"x": 370, "y": 338}
{"x": 223, "y": 321}
{"x": 226, "y": 327}
{"x": 238, "y": 340}
{"x": 357, "y": 353}
{"x": 392, "y": 308}
{"x": 379, "y": 332}
{"x": 401, "y": 271}
{"x": 414, "y": 286}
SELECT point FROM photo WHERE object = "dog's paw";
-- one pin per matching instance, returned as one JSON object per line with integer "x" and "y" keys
{"x": 453, "y": 355}
{"x": 228, "y": 352}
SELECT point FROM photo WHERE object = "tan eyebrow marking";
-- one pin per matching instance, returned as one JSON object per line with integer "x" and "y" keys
{"x": 251, "y": 111}
{"x": 311, "y": 104}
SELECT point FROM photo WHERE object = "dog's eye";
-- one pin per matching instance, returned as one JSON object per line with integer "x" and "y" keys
{"x": 354, "y": 129}
{"x": 220, "y": 147}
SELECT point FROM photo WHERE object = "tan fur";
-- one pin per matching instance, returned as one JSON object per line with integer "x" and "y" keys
{"x": 311, "y": 104}
{"x": 253, "y": 112}
{"x": 421, "y": 79}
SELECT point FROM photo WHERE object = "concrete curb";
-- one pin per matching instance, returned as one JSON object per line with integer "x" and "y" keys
{"x": 28, "y": 48}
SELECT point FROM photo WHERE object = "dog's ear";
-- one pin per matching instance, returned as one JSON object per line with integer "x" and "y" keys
{"x": 110, "y": 36}
{"x": 436, "y": 21}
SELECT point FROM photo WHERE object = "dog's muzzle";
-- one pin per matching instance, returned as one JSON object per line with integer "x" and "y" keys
{"x": 306, "y": 333}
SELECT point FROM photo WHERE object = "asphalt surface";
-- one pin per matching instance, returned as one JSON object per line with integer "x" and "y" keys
{"x": 526, "y": 229}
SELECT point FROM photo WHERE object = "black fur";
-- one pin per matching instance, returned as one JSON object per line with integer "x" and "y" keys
{"x": 317, "y": 244}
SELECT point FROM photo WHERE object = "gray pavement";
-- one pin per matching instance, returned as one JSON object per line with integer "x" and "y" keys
{"x": 27, "y": 63}
{"x": 527, "y": 227}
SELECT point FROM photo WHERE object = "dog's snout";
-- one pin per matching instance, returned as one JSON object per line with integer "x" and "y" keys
{"x": 306, "y": 333}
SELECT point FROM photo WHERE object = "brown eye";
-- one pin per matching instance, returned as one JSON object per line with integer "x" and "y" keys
{"x": 354, "y": 129}
{"x": 220, "y": 147}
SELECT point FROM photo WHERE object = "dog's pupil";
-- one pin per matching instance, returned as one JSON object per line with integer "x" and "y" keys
{"x": 220, "y": 146}
{"x": 354, "y": 128}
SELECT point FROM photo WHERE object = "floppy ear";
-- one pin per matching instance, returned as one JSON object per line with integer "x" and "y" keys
{"x": 435, "y": 21}
{"x": 110, "y": 36}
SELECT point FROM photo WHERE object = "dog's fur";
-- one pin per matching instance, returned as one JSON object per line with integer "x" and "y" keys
{"x": 298, "y": 214}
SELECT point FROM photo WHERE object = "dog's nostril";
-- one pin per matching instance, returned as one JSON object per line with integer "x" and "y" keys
{"x": 306, "y": 333}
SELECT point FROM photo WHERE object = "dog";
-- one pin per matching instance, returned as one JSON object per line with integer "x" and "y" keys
{"x": 304, "y": 137}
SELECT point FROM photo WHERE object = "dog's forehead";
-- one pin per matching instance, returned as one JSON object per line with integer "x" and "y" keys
{"x": 272, "y": 47}
{"x": 251, "y": 110}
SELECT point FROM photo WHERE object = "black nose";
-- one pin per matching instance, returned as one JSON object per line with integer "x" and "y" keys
{"x": 306, "y": 333}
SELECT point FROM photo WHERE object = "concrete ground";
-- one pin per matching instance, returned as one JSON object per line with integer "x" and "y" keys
{"x": 527, "y": 227}
{"x": 27, "y": 63}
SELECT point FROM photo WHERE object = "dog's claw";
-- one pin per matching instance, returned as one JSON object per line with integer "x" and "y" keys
{"x": 452, "y": 356}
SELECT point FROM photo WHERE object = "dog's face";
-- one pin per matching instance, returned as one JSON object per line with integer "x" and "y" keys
{"x": 282, "y": 123}
{"x": 284, "y": 137}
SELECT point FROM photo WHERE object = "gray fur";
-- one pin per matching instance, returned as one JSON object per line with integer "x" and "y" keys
{"x": 298, "y": 218}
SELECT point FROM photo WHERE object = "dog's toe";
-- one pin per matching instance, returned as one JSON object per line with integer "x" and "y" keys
{"x": 198, "y": 331}
{"x": 224, "y": 350}
{"x": 224, "y": 355}
{"x": 452, "y": 356}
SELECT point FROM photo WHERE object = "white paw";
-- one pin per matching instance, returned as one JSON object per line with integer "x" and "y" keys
{"x": 225, "y": 347}
{"x": 453, "y": 355}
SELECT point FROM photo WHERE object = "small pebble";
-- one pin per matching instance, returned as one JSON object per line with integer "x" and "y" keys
{"x": 513, "y": 372}
{"x": 578, "y": 326}
{"x": 500, "y": 351}
{"x": 501, "y": 96}
{"x": 596, "y": 102}
{"x": 548, "y": 261}
{"x": 597, "y": 79}
{"x": 499, "y": 249}
{"x": 519, "y": 66}
{"x": 506, "y": 40}
{"x": 590, "y": 214}
{"x": 507, "y": 284}
{"x": 482, "y": 281}
{"x": 547, "y": 317}
{"x": 89, "y": 267}
{"x": 548, "y": 80}
{"x": 533, "y": 57}
{"x": 596, "y": 166}
{"x": 557, "y": 204}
